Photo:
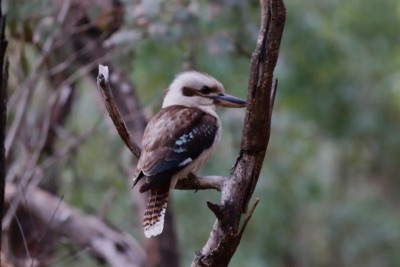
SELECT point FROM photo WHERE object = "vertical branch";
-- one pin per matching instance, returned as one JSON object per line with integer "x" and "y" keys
{"x": 261, "y": 90}
{"x": 239, "y": 187}
{"x": 3, "y": 110}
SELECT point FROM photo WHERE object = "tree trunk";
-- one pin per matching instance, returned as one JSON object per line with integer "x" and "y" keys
{"x": 3, "y": 110}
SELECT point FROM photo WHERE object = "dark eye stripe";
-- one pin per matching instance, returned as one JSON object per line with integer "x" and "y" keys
{"x": 205, "y": 90}
{"x": 187, "y": 91}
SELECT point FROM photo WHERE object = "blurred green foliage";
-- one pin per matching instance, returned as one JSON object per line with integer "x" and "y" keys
{"x": 329, "y": 189}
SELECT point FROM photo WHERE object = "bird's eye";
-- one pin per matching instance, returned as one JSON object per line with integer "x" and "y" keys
{"x": 205, "y": 90}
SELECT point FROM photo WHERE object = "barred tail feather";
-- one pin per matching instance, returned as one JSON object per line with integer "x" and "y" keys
{"x": 153, "y": 222}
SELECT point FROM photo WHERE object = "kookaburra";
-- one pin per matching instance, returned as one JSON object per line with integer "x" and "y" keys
{"x": 179, "y": 140}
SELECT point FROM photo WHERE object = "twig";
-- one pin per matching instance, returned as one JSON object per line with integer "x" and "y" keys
{"x": 47, "y": 227}
{"x": 104, "y": 85}
{"x": 33, "y": 175}
{"x": 70, "y": 257}
{"x": 72, "y": 144}
{"x": 248, "y": 217}
{"x": 201, "y": 183}
{"x": 30, "y": 168}
{"x": 18, "y": 119}
{"x": 273, "y": 94}
{"x": 30, "y": 83}
{"x": 31, "y": 180}
{"x": 21, "y": 230}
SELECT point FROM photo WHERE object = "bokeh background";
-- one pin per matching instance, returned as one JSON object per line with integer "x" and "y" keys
{"x": 330, "y": 186}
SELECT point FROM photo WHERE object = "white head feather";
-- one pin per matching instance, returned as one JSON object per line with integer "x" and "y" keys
{"x": 194, "y": 80}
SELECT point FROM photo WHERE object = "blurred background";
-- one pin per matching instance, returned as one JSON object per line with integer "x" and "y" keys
{"x": 330, "y": 186}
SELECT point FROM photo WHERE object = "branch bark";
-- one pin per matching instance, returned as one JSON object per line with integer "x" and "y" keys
{"x": 3, "y": 110}
{"x": 104, "y": 85}
{"x": 239, "y": 187}
{"x": 201, "y": 183}
{"x": 108, "y": 244}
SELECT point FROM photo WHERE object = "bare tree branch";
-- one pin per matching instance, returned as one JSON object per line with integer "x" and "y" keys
{"x": 239, "y": 187}
{"x": 116, "y": 248}
{"x": 261, "y": 91}
{"x": 104, "y": 86}
{"x": 246, "y": 221}
{"x": 201, "y": 182}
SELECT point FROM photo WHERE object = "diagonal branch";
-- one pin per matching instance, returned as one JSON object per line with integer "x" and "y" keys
{"x": 104, "y": 86}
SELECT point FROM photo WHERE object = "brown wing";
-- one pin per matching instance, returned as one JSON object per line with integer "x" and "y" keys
{"x": 176, "y": 136}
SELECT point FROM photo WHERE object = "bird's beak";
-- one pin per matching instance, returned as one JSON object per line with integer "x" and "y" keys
{"x": 228, "y": 101}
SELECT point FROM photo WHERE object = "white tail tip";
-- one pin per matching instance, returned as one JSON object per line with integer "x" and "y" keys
{"x": 157, "y": 228}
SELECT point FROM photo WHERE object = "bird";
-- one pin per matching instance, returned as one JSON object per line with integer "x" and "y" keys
{"x": 179, "y": 140}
